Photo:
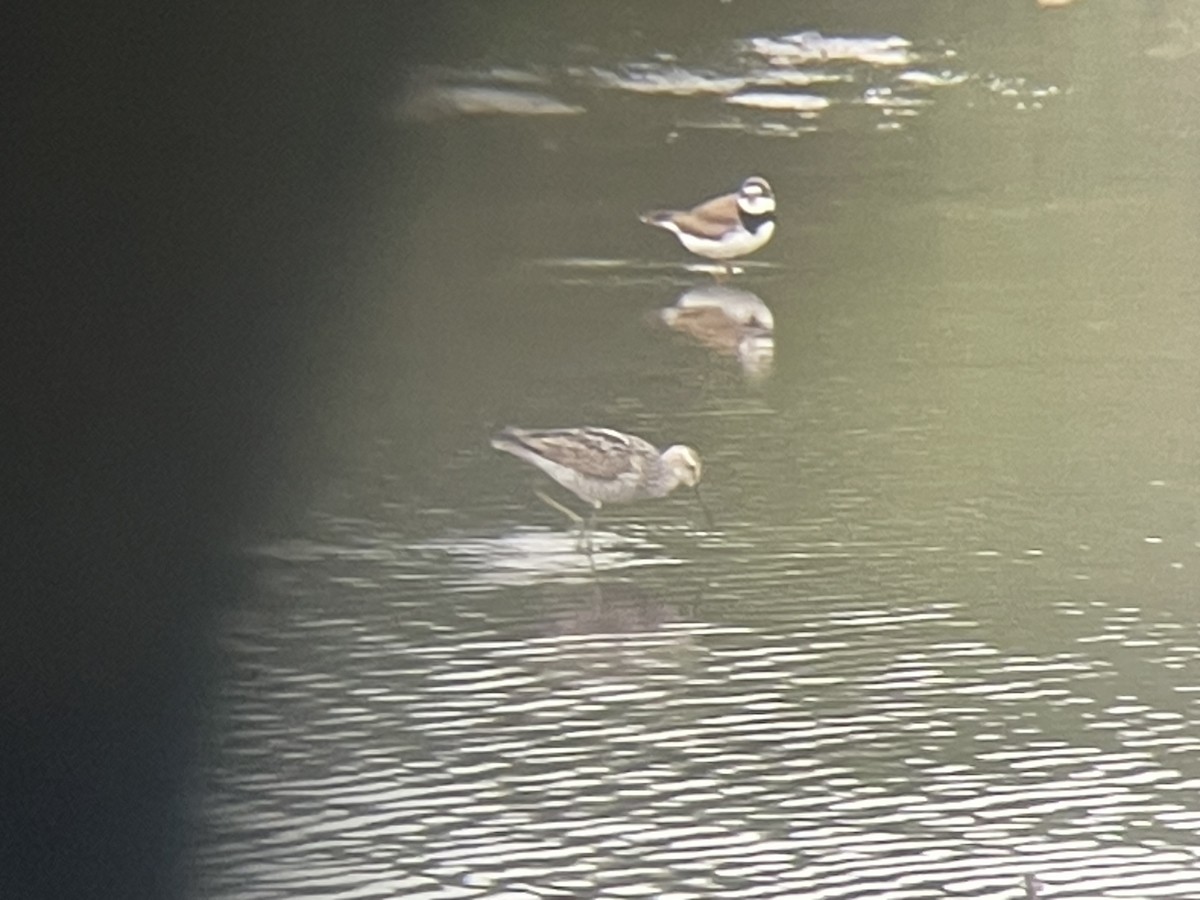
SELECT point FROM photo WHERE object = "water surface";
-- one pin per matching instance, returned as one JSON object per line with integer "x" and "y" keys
{"x": 943, "y": 633}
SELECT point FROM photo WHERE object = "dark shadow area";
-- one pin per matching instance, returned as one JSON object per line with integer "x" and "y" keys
{"x": 171, "y": 173}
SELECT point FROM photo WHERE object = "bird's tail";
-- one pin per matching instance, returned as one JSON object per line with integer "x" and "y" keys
{"x": 507, "y": 439}
{"x": 658, "y": 217}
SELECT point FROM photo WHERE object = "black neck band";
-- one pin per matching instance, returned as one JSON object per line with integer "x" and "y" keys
{"x": 753, "y": 223}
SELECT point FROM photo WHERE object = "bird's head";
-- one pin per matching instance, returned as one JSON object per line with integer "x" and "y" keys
{"x": 684, "y": 462}
{"x": 755, "y": 197}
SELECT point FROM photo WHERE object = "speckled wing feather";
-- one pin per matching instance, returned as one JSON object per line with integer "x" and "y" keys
{"x": 711, "y": 219}
{"x": 595, "y": 452}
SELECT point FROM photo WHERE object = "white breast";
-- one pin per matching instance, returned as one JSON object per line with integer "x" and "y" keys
{"x": 736, "y": 242}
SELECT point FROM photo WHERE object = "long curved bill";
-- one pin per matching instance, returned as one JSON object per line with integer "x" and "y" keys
{"x": 708, "y": 519}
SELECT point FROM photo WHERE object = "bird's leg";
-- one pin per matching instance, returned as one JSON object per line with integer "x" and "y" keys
{"x": 708, "y": 519}
{"x": 569, "y": 513}
{"x": 722, "y": 274}
{"x": 590, "y": 527}
{"x": 586, "y": 528}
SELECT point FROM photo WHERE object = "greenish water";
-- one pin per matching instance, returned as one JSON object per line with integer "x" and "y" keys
{"x": 943, "y": 633}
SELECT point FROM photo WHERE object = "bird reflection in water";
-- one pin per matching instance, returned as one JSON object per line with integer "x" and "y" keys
{"x": 618, "y": 631}
{"x": 730, "y": 321}
{"x": 616, "y": 607}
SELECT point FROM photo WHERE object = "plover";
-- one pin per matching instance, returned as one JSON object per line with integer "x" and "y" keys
{"x": 724, "y": 227}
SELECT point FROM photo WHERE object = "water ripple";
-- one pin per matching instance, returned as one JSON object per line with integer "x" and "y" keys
{"x": 888, "y": 74}
{"x": 690, "y": 756}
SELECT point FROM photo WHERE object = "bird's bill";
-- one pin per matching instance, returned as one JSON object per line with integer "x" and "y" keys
{"x": 708, "y": 519}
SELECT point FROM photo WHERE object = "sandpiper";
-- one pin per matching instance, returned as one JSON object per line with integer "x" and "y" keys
{"x": 600, "y": 465}
{"x": 724, "y": 227}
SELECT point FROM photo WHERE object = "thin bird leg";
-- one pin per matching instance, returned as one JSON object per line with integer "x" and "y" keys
{"x": 584, "y": 540}
{"x": 708, "y": 519}
{"x": 586, "y": 528}
{"x": 722, "y": 274}
{"x": 590, "y": 528}
{"x": 569, "y": 513}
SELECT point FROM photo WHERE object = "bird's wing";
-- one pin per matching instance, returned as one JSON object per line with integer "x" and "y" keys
{"x": 596, "y": 452}
{"x": 712, "y": 218}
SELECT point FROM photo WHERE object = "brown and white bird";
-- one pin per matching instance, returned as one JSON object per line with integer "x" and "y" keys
{"x": 600, "y": 465}
{"x": 724, "y": 227}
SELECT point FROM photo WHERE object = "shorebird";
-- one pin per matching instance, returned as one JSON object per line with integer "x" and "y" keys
{"x": 724, "y": 227}
{"x": 600, "y": 465}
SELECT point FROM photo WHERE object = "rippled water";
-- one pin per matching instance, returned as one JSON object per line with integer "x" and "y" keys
{"x": 760, "y": 74}
{"x": 942, "y": 634}
{"x": 390, "y": 730}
